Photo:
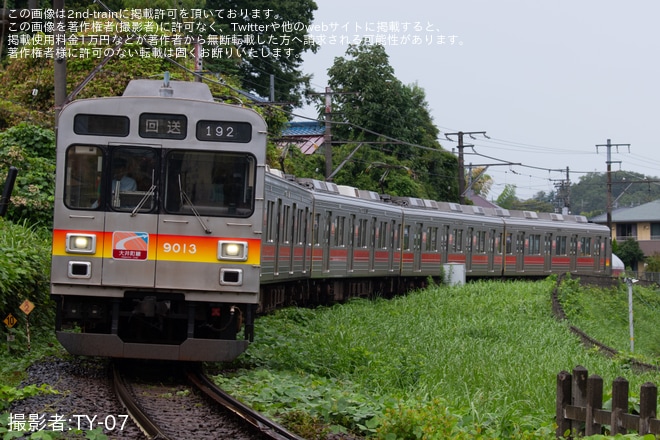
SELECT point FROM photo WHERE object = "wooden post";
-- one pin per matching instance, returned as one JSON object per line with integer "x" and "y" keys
{"x": 579, "y": 393}
{"x": 619, "y": 405}
{"x": 564, "y": 379}
{"x": 594, "y": 401}
{"x": 648, "y": 400}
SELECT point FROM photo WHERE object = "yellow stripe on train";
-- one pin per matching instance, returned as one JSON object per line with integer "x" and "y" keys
{"x": 135, "y": 245}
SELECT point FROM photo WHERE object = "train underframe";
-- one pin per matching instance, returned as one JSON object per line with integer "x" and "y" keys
{"x": 153, "y": 325}
{"x": 317, "y": 292}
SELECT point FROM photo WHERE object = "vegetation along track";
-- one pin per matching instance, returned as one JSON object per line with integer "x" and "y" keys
{"x": 164, "y": 407}
{"x": 560, "y": 314}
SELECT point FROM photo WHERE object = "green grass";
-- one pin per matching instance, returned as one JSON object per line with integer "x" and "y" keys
{"x": 474, "y": 361}
{"x": 603, "y": 314}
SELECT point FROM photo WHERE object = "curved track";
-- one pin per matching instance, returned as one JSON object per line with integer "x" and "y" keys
{"x": 269, "y": 428}
{"x": 163, "y": 410}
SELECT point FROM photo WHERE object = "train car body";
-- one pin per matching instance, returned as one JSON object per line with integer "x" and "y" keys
{"x": 157, "y": 223}
{"x": 171, "y": 233}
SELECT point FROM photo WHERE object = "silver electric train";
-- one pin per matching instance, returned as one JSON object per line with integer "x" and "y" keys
{"x": 171, "y": 233}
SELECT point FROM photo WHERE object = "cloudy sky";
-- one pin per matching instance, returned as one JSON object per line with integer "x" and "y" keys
{"x": 547, "y": 80}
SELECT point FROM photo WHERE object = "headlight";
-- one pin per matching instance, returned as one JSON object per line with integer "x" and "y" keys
{"x": 232, "y": 250}
{"x": 81, "y": 243}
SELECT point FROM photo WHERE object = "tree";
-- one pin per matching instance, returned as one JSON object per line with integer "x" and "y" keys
{"x": 481, "y": 182}
{"x": 589, "y": 195}
{"x": 394, "y": 125}
{"x": 259, "y": 54}
{"x": 630, "y": 253}
{"x": 507, "y": 198}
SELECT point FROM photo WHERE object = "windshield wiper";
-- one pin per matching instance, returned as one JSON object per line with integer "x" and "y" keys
{"x": 145, "y": 197}
{"x": 186, "y": 199}
{"x": 143, "y": 200}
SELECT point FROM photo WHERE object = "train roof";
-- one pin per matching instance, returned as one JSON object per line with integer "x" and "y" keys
{"x": 176, "y": 89}
{"x": 509, "y": 216}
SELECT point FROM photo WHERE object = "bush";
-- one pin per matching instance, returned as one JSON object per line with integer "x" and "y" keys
{"x": 31, "y": 149}
{"x": 24, "y": 273}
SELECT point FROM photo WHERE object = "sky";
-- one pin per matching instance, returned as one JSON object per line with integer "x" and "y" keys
{"x": 547, "y": 81}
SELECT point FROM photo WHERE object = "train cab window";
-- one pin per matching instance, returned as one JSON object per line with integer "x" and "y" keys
{"x": 213, "y": 183}
{"x": 133, "y": 178}
{"x": 82, "y": 177}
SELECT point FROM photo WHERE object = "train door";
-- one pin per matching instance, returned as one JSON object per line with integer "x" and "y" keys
{"x": 394, "y": 264}
{"x": 351, "y": 243}
{"x": 325, "y": 243}
{"x": 278, "y": 234}
{"x": 444, "y": 243}
{"x": 306, "y": 223}
{"x": 491, "y": 250}
{"x": 130, "y": 199}
{"x": 417, "y": 247}
{"x": 520, "y": 251}
{"x": 469, "y": 244}
{"x": 289, "y": 234}
{"x": 573, "y": 252}
{"x": 372, "y": 243}
{"x": 547, "y": 252}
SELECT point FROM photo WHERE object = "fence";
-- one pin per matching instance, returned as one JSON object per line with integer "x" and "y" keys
{"x": 580, "y": 406}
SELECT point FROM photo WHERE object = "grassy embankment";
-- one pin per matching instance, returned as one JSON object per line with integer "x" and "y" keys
{"x": 478, "y": 361}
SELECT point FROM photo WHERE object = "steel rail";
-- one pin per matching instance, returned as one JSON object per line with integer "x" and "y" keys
{"x": 254, "y": 418}
{"x": 146, "y": 425}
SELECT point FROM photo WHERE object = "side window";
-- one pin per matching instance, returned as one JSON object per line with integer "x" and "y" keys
{"x": 82, "y": 177}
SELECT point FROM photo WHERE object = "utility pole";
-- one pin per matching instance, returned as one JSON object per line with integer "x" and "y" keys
{"x": 461, "y": 161}
{"x": 563, "y": 195}
{"x": 327, "y": 136}
{"x": 609, "y": 162}
{"x": 60, "y": 58}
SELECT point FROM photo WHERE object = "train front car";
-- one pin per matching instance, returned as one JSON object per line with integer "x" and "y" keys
{"x": 157, "y": 228}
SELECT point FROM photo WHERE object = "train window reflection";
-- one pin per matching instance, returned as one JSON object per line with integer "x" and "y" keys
{"x": 82, "y": 177}
{"x": 211, "y": 183}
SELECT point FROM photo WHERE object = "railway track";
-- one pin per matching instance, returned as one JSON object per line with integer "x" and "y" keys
{"x": 171, "y": 410}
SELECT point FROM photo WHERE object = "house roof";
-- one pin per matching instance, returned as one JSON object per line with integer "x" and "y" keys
{"x": 303, "y": 128}
{"x": 480, "y": 201}
{"x": 308, "y": 135}
{"x": 648, "y": 212}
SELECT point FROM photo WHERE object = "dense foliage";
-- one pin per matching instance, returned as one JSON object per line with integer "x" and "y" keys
{"x": 24, "y": 274}
{"x": 589, "y": 195}
{"x": 387, "y": 128}
{"x": 31, "y": 150}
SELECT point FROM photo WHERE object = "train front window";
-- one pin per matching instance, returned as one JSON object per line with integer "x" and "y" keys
{"x": 133, "y": 177}
{"x": 210, "y": 183}
{"x": 82, "y": 177}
